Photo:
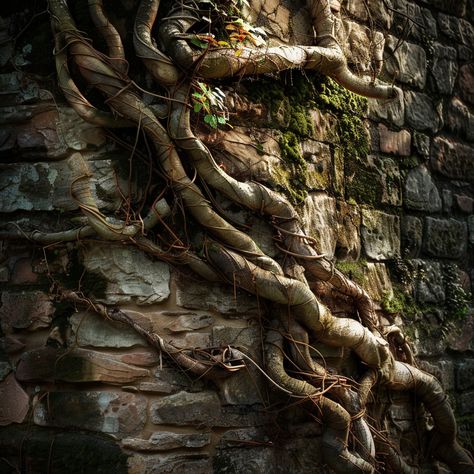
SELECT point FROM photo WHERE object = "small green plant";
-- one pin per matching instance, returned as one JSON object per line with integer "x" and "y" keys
{"x": 211, "y": 102}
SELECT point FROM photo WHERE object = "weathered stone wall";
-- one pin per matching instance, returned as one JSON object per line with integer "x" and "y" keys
{"x": 81, "y": 394}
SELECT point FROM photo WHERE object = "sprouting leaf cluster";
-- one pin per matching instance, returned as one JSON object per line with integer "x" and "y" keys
{"x": 211, "y": 102}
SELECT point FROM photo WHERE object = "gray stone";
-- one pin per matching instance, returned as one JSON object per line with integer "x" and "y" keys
{"x": 348, "y": 241}
{"x": 466, "y": 403}
{"x": 380, "y": 234}
{"x": 447, "y": 200}
{"x": 422, "y": 143}
{"x": 412, "y": 235}
{"x": 421, "y": 193}
{"x": 466, "y": 83}
{"x": 159, "y": 386}
{"x": 246, "y": 460}
{"x": 187, "y": 463}
{"x": 392, "y": 111}
{"x": 185, "y": 408}
{"x": 444, "y": 68}
{"x": 109, "y": 412}
{"x": 188, "y": 322}
{"x": 243, "y": 436}
{"x": 443, "y": 370}
{"x": 423, "y": 25}
{"x": 241, "y": 388}
{"x": 465, "y": 374}
{"x": 193, "y": 294}
{"x": 247, "y": 338}
{"x": 318, "y": 156}
{"x": 320, "y": 221}
{"x": 457, "y": 29}
{"x": 445, "y": 238}
{"x": 452, "y": 159}
{"x": 406, "y": 62}
{"x": 379, "y": 12}
{"x": 190, "y": 340}
{"x": 460, "y": 120}
{"x": 130, "y": 274}
{"x": 429, "y": 285}
{"x": 421, "y": 113}
{"x": 90, "y": 329}
{"x": 165, "y": 440}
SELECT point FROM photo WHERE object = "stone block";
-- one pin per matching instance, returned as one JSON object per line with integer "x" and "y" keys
{"x": 76, "y": 365}
{"x": 193, "y": 294}
{"x": 380, "y": 234}
{"x": 445, "y": 238}
{"x": 377, "y": 281}
{"x": 424, "y": 25}
{"x": 184, "y": 408}
{"x": 429, "y": 285}
{"x": 115, "y": 413}
{"x": 464, "y": 203}
{"x": 165, "y": 440}
{"x": 395, "y": 143}
{"x": 392, "y": 111}
{"x": 465, "y": 405}
{"x": 456, "y": 29}
{"x": 405, "y": 62}
{"x": 130, "y": 275}
{"x": 379, "y": 12}
{"x": 466, "y": 83}
{"x": 470, "y": 223}
{"x": 348, "y": 241}
{"x": 465, "y": 374}
{"x": 14, "y": 402}
{"x": 421, "y": 113}
{"x": 421, "y": 193}
{"x": 25, "y": 310}
{"x": 90, "y": 329}
{"x": 444, "y": 68}
{"x": 318, "y": 156}
{"x": 422, "y": 144}
{"x": 186, "y": 463}
{"x": 188, "y": 322}
{"x": 320, "y": 221}
{"x": 324, "y": 126}
{"x": 412, "y": 236}
{"x": 452, "y": 159}
{"x": 460, "y": 120}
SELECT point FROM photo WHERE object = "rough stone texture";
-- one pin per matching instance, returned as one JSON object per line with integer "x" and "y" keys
{"x": 412, "y": 236}
{"x": 466, "y": 403}
{"x": 421, "y": 193}
{"x": 445, "y": 238}
{"x": 14, "y": 402}
{"x": 377, "y": 281}
{"x": 318, "y": 156}
{"x": 444, "y": 68}
{"x": 109, "y": 412}
{"x": 380, "y": 234}
{"x": 188, "y": 322}
{"x": 443, "y": 370}
{"x": 421, "y": 113}
{"x": 421, "y": 143}
{"x": 464, "y": 203}
{"x": 460, "y": 120}
{"x": 194, "y": 295}
{"x": 429, "y": 285}
{"x": 320, "y": 222}
{"x": 471, "y": 229}
{"x": 457, "y": 29}
{"x": 185, "y": 408}
{"x": 452, "y": 159}
{"x": 129, "y": 273}
{"x": 77, "y": 365}
{"x": 396, "y": 143}
{"x": 465, "y": 374}
{"x": 165, "y": 440}
{"x": 466, "y": 83}
{"x": 195, "y": 463}
{"x": 406, "y": 62}
{"x": 89, "y": 329}
{"x": 392, "y": 111}
{"x": 424, "y": 25}
{"x": 25, "y": 310}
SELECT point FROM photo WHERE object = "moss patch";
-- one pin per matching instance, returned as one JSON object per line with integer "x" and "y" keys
{"x": 354, "y": 270}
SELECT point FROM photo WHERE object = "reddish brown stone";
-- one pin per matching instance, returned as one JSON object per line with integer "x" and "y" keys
{"x": 23, "y": 272}
{"x": 142, "y": 359}
{"x": 452, "y": 159}
{"x": 26, "y": 310}
{"x": 14, "y": 402}
{"x": 10, "y": 344}
{"x": 396, "y": 143}
{"x": 465, "y": 203}
{"x": 78, "y": 365}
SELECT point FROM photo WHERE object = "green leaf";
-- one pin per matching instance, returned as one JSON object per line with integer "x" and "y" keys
{"x": 211, "y": 120}
{"x": 200, "y": 44}
{"x": 221, "y": 119}
{"x": 197, "y": 106}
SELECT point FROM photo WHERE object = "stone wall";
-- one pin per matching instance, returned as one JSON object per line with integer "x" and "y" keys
{"x": 83, "y": 394}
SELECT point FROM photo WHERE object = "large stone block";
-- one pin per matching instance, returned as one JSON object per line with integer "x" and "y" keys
{"x": 421, "y": 193}
{"x": 25, "y": 310}
{"x": 396, "y": 143}
{"x": 109, "y": 412}
{"x": 90, "y": 329}
{"x": 429, "y": 285}
{"x": 423, "y": 26}
{"x": 380, "y": 234}
{"x": 452, "y": 159}
{"x": 465, "y": 374}
{"x": 14, "y": 402}
{"x": 460, "y": 119}
{"x": 406, "y": 62}
{"x": 318, "y": 156}
{"x": 412, "y": 236}
{"x": 465, "y": 405}
{"x": 444, "y": 68}
{"x": 392, "y": 111}
{"x": 165, "y": 440}
{"x": 421, "y": 113}
{"x": 457, "y": 29}
{"x": 466, "y": 83}
{"x": 173, "y": 463}
{"x": 130, "y": 275}
{"x": 445, "y": 238}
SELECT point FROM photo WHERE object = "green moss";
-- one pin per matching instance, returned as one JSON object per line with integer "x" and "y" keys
{"x": 354, "y": 270}
{"x": 400, "y": 302}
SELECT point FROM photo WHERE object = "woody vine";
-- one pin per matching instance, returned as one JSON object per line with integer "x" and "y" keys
{"x": 188, "y": 47}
